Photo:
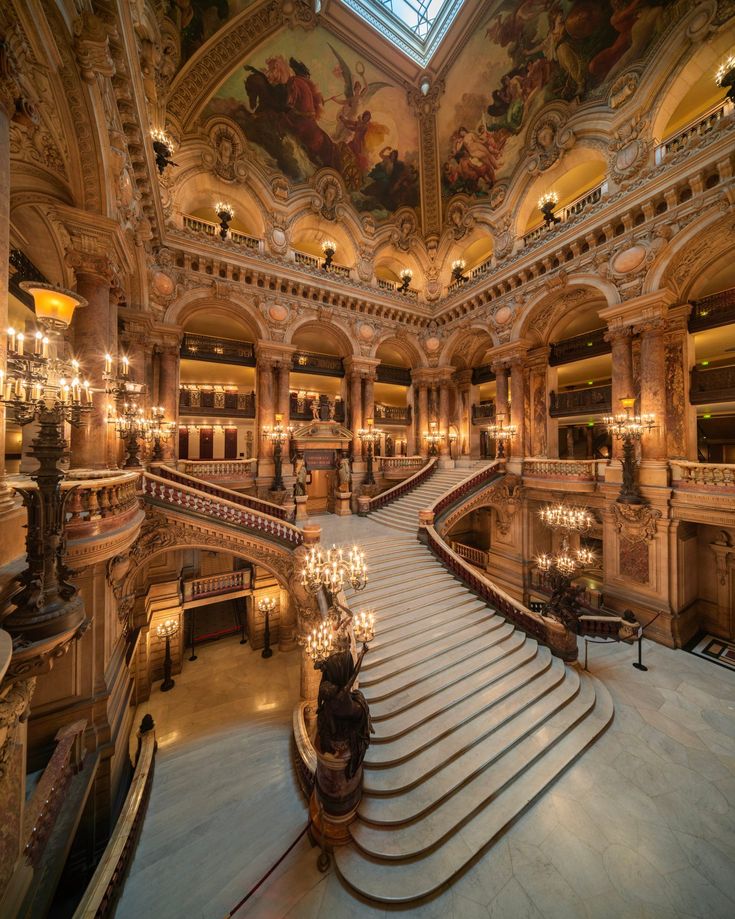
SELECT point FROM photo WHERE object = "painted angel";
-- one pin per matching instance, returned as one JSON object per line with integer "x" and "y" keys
{"x": 357, "y": 92}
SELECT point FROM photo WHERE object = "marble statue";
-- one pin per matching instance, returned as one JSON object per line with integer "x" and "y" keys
{"x": 300, "y": 471}
{"x": 344, "y": 473}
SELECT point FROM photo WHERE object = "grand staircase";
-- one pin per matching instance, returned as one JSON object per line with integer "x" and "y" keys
{"x": 472, "y": 719}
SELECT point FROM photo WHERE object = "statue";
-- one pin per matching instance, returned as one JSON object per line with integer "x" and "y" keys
{"x": 315, "y": 407}
{"x": 342, "y": 715}
{"x": 300, "y": 471}
{"x": 564, "y": 605}
{"x": 344, "y": 473}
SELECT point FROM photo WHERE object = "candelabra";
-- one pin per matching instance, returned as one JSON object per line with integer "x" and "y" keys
{"x": 501, "y": 432}
{"x": 433, "y": 438}
{"x": 320, "y": 643}
{"x": 225, "y": 212}
{"x": 163, "y": 149}
{"x": 166, "y": 630}
{"x": 363, "y": 625}
{"x": 329, "y": 248}
{"x": 132, "y": 425}
{"x": 458, "y": 275}
{"x": 160, "y": 431}
{"x": 405, "y": 276}
{"x": 369, "y": 436}
{"x": 547, "y": 204}
{"x": 725, "y": 76}
{"x": 629, "y": 428}
{"x": 561, "y": 566}
{"x": 333, "y": 568}
{"x": 278, "y": 434}
{"x": 39, "y": 385}
{"x": 266, "y": 606}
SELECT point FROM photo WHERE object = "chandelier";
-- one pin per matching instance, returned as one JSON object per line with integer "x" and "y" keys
{"x": 566, "y": 517}
{"x": 333, "y": 569}
{"x": 329, "y": 248}
{"x": 725, "y": 76}
{"x": 406, "y": 275}
{"x": 501, "y": 432}
{"x": 225, "y": 212}
{"x": 163, "y": 149}
{"x": 320, "y": 643}
{"x": 547, "y": 205}
{"x": 458, "y": 267}
{"x": 369, "y": 436}
{"x": 433, "y": 438}
{"x": 363, "y": 625}
{"x": 629, "y": 428}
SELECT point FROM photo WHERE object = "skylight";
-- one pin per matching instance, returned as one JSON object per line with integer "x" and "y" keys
{"x": 415, "y": 26}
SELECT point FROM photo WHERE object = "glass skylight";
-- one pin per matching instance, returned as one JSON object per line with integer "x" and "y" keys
{"x": 415, "y": 26}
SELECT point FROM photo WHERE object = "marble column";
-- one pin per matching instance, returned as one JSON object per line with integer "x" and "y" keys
{"x": 283, "y": 379}
{"x": 168, "y": 394}
{"x": 464, "y": 390}
{"x": 368, "y": 398}
{"x": 518, "y": 402}
{"x": 681, "y": 415}
{"x": 622, "y": 373}
{"x": 94, "y": 330}
{"x": 653, "y": 387}
{"x": 266, "y": 406}
{"x": 539, "y": 410}
{"x": 411, "y": 428}
{"x": 356, "y": 420}
{"x": 422, "y": 422}
{"x": 6, "y": 495}
{"x": 444, "y": 417}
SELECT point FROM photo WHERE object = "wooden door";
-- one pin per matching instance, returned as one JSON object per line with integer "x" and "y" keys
{"x": 183, "y": 443}
{"x": 206, "y": 443}
{"x": 231, "y": 443}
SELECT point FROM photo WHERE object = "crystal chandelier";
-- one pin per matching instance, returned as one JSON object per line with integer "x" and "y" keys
{"x": 501, "y": 432}
{"x": 433, "y": 438}
{"x": 333, "y": 569}
{"x": 566, "y": 517}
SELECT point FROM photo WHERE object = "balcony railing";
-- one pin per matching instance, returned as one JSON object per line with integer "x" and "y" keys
{"x": 387, "y": 373}
{"x": 300, "y": 409}
{"x": 576, "y": 470}
{"x": 470, "y": 554}
{"x": 206, "y": 227}
{"x": 100, "y": 504}
{"x": 594, "y": 399}
{"x": 392, "y": 414}
{"x": 702, "y": 475}
{"x": 312, "y": 261}
{"x": 400, "y": 462}
{"x": 220, "y": 470}
{"x": 216, "y": 584}
{"x": 394, "y": 286}
{"x": 712, "y": 384}
{"x": 483, "y": 374}
{"x": 322, "y": 364}
{"x": 218, "y": 350}
{"x": 579, "y": 347}
{"x": 715, "y": 310}
{"x": 483, "y": 412}
{"x": 216, "y": 403}
{"x": 695, "y": 129}
{"x": 569, "y": 212}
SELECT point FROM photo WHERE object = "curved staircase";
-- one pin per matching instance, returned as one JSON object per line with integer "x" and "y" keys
{"x": 472, "y": 718}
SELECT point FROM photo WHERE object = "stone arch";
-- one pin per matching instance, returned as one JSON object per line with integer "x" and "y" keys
{"x": 198, "y": 190}
{"x": 408, "y": 346}
{"x": 537, "y": 319}
{"x": 312, "y": 229}
{"x": 239, "y": 308}
{"x": 473, "y": 342}
{"x": 333, "y": 326}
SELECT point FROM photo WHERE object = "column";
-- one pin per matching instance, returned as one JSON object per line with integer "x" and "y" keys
{"x": 681, "y": 415}
{"x": 501, "y": 392}
{"x": 411, "y": 428}
{"x": 653, "y": 387}
{"x": 422, "y": 422}
{"x": 518, "y": 403}
{"x": 368, "y": 397}
{"x": 463, "y": 379}
{"x": 356, "y": 421}
{"x": 283, "y": 379}
{"x": 265, "y": 407}
{"x": 620, "y": 339}
{"x": 94, "y": 330}
{"x": 168, "y": 394}
{"x": 444, "y": 416}
{"x": 538, "y": 413}
{"x": 6, "y": 108}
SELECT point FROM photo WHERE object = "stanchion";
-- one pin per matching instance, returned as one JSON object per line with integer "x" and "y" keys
{"x": 639, "y": 665}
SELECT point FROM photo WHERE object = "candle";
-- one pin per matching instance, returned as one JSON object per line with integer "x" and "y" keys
{"x": 11, "y": 338}
{"x": 20, "y": 339}
{"x": 44, "y": 343}
{"x": 125, "y": 365}
{"x": 38, "y": 343}
{"x": 87, "y": 397}
{"x": 108, "y": 363}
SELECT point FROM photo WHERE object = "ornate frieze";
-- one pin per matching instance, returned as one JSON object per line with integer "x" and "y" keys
{"x": 635, "y": 523}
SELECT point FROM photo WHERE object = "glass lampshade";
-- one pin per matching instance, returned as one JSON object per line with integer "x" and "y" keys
{"x": 54, "y": 305}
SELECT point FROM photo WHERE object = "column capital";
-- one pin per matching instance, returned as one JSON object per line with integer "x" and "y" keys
{"x": 538, "y": 358}
{"x": 431, "y": 376}
{"x": 463, "y": 377}
{"x": 360, "y": 366}
{"x": 639, "y": 309}
{"x": 511, "y": 353}
{"x": 168, "y": 337}
{"x": 617, "y": 331}
{"x": 273, "y": 353}
{"x": 95, "y": 245}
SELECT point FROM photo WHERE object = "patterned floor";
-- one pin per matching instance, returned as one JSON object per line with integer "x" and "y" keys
{"x": 719, "y": 650}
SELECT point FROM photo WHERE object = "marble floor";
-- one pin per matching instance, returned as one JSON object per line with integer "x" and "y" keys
{"x": 642, "y": 825}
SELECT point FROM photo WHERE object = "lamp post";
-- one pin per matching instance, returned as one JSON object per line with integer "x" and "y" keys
{"x": 329, "y": 248}
{"x": 369, "y": 436}
{"x": 547, "y": 204}
{"x": 266, "y": 606}
{"x": 132, "y": 426}
{"x": 561, "y": 566}
{"x": 166, "y": 630}
{"x": 433, "y": 438}
{"x": 629, "y": 427}
{"x": 38, "y": 384}
{"x": 278, "y": 435}
{"x": 225, "y": 212}
{"x": 501, "y": 432}
{"x": 160, "y": 431}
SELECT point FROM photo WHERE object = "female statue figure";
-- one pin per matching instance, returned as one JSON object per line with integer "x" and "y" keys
{"x": 344, "y": 473}
{"x": 342, "y": 715}
{"x": 300, "y": 472}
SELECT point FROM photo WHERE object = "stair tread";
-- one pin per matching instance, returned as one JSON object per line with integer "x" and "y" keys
{"x": 414, "y": 626}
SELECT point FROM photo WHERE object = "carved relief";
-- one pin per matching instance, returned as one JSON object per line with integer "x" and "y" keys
{"x": 15, "y": 699}
{"x": 635, "y": 522}
{"x": 628, "y": 151}
{"x": 327, "y": 201}
{"x": 405, "y": 233}
{"x": 459, "y": 219}
{"x": 548, "y": 141}
{"x": 225, "y": 157}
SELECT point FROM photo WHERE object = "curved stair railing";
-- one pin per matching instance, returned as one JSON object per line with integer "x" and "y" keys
{"x": 385, "y": 497}
{"x": 179, "y": 496}
{"x": 219, "y": 491}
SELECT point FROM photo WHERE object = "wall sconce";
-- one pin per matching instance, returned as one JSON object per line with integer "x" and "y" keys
{"x": 163, "y": 148}
{"x": 225, "y": 212}
{"x": 725, "y": 76}
{"x": 329, "y": 248}
{"x": 405, "y": 276}
{"x": 458, "y": 275}
{"x": 546, "y": 204}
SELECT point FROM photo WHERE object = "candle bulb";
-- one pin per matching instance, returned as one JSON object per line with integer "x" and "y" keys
{"x": 11, "y": 339}
{"x": 108, "y": 363}
{"x": 38, "y": 343}
{"x": 44, "y": 349}
{"x": 125, "y": 365}
{"x": 20, "y": 339}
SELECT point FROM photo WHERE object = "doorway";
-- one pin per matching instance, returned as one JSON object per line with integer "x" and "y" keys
{"x": 319, "y": 491}
{"x": 206, "y": 443}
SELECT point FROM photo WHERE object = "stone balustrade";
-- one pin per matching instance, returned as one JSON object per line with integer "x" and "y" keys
{"x": 470, "y": 554}
{"x": 216, "y": 584}
{"x": 578, "y": 470}
{"x": 702, "y": 475}
{"x": 219, "y": 470}
{"x": 96, "y": 505}
{"x": 399, "y": 462}
{"x": 695, "y": 129}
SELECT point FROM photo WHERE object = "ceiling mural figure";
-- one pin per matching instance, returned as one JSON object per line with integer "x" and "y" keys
{"x": 302, "y": 110}
{"x": 526, "y": 55}
{"x": 198, "y": 20}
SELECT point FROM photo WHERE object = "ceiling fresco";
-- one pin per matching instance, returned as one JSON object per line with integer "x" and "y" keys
{"x": 306, "y": 101}
{"x": 525, "y": 55}
{"x": 198, "y": 20}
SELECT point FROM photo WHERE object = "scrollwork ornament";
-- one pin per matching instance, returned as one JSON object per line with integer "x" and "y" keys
{"x": 635, "y": 522}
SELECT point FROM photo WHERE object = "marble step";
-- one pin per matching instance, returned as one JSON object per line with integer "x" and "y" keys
{"x": 406, "y": 611}
{"x": 414, "y": 624}
{"x": 411, "y": 572}
{"x": 409, "y": 747}
{"x": 402, "y": 881}
{"x": 392, "y": 601}
{"x": 433, "y": 808}
{"x": 401, "y": 525}
{"x": 375, "y": 671}
{"x": 511, "y": 654}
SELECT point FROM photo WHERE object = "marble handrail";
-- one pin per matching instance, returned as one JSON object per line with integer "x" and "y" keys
{"x": 219, "y": 468}
{"x": 104, "y": 888}
{"x": 399, "y": 462}
{"x": 585, "y": 470}
{"x": 182, "y": 497}
{"x": 402, "y": 487}
{"x": 465, "y": 487}
{"x": 708, "y": 475}
{"x": 214, "y": 584}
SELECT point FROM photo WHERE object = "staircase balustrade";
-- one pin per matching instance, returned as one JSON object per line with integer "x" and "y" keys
{"x": 219, "y": 469}
{"x": 215, "y": 584}
{"x": 397, "y": 490}
{"x": 399, "y": 462}
{"x": 470, "y": 553}
{"x": 100, "y": 504}
{"x": 467, "y": 487}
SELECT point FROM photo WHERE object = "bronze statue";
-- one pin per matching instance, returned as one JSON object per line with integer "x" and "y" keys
{"x": 342, "y": 715}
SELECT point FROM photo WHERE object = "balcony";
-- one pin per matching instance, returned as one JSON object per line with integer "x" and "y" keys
{"x": 483, "y": 413}
{"x": 712, "y": 384}
{"x": 394, "y": 287}
{"x": 230, "y": 584}
{"x": 400, "y": 376}
{"x": 565, "y": 472}
{"x": 579, "y": 347}
{"x": 592, "y": 400}
{"x": 300, "y": 409}
{"x": 208, "y": 228}
{"x": 694, "y": 130}
{"x": 482, "y": 374}
{"x": 570, "y": 212}
{"x": 392, "y": 414}
{"x": 713, "y": 311}
{"x": 217, "y": 350}
{"x": 702, "y": 476}
{"x": 312, "y": 261}
{"x": 235, "y": 474}
{"x": 216, "y": 402}
{"x": 320, "y": 364}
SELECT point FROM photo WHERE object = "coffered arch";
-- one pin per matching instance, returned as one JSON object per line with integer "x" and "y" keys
{"x": 235, "y": 307}
{"x": 542, "y": 315}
